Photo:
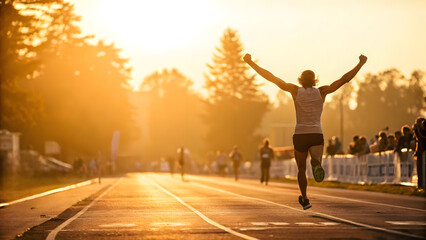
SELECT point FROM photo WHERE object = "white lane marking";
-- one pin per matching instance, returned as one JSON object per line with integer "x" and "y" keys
{"x": 254, "y": 229}
{"x": 306, "y": 223}
{"x": 298, "y": 223}
{"x": 169, "y": 224}
{"x": 279, "y": 223}
{"x": 329, "y": 223}
{"x": 260, "y": 223}
{"x": 241, "y": 185}
{"x": 311, "y": 212}
{"x": 117, "y": 225}
{"x": 48, "y": 192}
{"x": 55, "y": 231}
{"x": 362, "y": 201}
{"x": 208, "y": 220}
{"x": 409, "y": 223}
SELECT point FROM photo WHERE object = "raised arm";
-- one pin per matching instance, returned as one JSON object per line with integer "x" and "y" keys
{"x": 270, "y": 77}
{"x": 344, "y": 79}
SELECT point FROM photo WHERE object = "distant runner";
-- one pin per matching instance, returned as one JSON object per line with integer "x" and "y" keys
{"x": 308, "y": 102}
{"x": 236, "y": 159}
{"x": 266, "y": 155}
{"x": 181, "y": 160}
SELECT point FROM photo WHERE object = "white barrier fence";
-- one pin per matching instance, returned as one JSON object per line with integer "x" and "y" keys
{"x": 387, "y": 167}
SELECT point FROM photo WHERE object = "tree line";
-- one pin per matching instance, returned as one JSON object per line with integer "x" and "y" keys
{"x": 57, "y": 84}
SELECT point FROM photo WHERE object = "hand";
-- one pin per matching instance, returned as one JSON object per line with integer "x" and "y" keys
{"x": 362, "y": 59}
{"x": 247, "y": 58}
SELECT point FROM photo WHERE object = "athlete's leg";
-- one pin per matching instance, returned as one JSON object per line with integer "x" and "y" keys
{"x": 301, "y": 168}
{"x": 267, "y": 174}
{"x": 420, "y": 166}
{"x": 316, "y": 153}
{"x": 236, "y": 170}
{"x": 181, "y": 171}
{"x": 262, "y": 171}
{"x": 316, "y": 160}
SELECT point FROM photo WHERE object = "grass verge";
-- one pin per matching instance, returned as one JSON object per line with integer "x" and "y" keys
{"x": 20, "y": 187}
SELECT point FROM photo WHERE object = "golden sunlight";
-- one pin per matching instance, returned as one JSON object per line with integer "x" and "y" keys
{"x": 156, "y": 26}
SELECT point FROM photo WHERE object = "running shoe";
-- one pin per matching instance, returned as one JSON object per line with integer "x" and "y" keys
{"x": 317, "y": 170}
{"x": 305, "y": 204}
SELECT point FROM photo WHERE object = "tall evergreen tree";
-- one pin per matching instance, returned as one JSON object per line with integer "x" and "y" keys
{"x": 235, "y": 105}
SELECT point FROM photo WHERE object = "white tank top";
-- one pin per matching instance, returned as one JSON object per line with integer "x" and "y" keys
{"x": 308, "y": 104}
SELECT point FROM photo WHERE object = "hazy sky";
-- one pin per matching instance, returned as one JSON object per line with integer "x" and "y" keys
{"x": 286, "y": 37}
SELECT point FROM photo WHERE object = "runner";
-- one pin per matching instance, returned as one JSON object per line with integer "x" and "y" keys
{"x": 236, "y": 157}
{"x": 308, "y": 102}
{"x": 266, "y": 154}
{"x": 181, "y": 160}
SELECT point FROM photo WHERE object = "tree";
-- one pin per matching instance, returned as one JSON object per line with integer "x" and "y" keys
{"x": 81, "y": 87}
{"x": 235, "y": 106}
{"x": 388, "y": 99}
{"x": 20, "y": 34}
{"x": 173, "y": 114}
{"x": 84, "y": 90}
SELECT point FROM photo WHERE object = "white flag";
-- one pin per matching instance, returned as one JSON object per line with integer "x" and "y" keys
{"x": 114, "y": 145}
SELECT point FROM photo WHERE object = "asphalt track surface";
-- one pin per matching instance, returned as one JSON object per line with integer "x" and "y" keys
{"x": 161, "y": 206}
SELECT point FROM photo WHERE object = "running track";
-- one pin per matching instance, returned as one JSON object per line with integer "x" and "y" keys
{"x": 160, "y": 206}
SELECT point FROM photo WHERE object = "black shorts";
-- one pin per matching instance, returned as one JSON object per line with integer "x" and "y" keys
{"x": 236, "y": 163}
{"x": 302, "y": 142}
{"x": 265, "y": 163}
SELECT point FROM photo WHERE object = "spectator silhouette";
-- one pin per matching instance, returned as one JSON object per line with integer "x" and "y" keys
{"x": 420, "y": 135}
{"x": 353, "y": 146}
{"x": 404, "y": 141}
{"x": 392, "y": 142}
{"x": 383, "y": 141}
{"x": 363, "y": 147}
{"x": 337, "y": 145}
{"x": 398, "y": 134}
{"x": 331, "y": 148}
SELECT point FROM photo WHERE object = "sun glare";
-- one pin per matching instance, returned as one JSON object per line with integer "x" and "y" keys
{"x": 155, "y": 26}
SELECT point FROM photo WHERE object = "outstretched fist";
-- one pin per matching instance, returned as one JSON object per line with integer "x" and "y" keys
{"x": 247, "y": 58}
{"x": 362, "y": 59}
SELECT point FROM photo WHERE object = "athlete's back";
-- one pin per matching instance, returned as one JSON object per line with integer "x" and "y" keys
{"x": 308, "y": 105}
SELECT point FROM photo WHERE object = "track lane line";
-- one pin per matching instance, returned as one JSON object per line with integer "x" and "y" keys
{"x": 315, "y": 213}
{"x": 208, "y": 220}
{"x": 54, "y": 232}
{"x": 317, "y": 194}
